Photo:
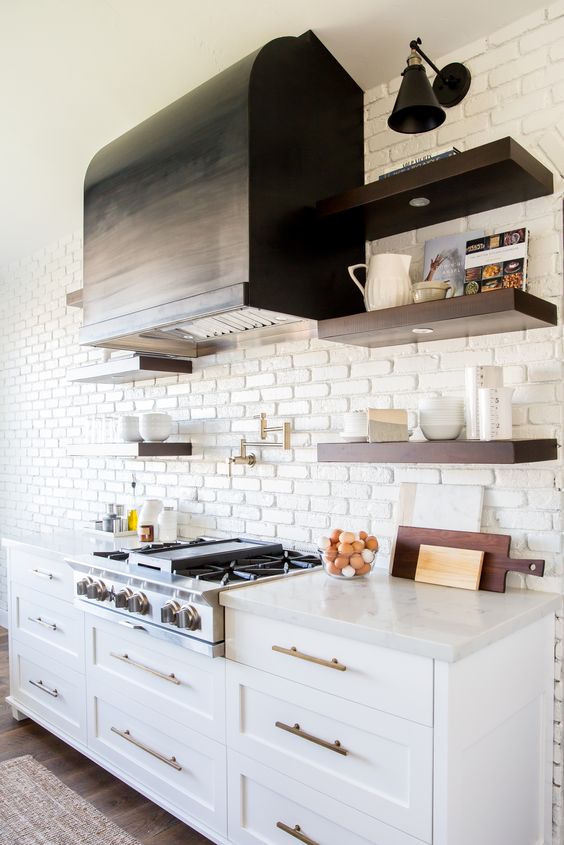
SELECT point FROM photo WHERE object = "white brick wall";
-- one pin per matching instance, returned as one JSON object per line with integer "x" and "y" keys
{"x": 517, "y": 89}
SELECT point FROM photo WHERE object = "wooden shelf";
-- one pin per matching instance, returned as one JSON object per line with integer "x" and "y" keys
{"x": 440, "y": 452}
{"x": 507, "y": 310}
{"x": 74, "y": 298}
{"x": 490, "y": 176}
{"x": 130, "y": 368}
{"x": 133, "y": 450}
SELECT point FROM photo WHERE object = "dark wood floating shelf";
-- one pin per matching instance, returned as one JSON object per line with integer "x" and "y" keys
{"x": 144, "y": 449}
{"x": 440, "y": 452}
{"x": 493, "y": 175}
{"x": 130, "y": 368}
{"x": 507, "y": 310}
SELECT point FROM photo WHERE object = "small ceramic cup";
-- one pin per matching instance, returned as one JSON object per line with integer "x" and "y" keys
{"x": 128, "y": 429}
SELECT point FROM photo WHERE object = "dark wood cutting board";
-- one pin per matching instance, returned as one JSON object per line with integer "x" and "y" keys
{"x": 497, "y": 562}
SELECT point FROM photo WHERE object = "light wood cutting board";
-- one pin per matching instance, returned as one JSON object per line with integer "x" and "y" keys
{"x": 449, "y": 567}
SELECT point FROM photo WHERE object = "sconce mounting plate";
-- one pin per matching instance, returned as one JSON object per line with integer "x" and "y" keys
{"x": 452, "y": 85}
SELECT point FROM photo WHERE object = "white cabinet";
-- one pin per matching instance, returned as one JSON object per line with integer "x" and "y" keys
{"x": 446, "y": 753}
{"x": 372, "y": 761}
{"x": 48, "y": 624}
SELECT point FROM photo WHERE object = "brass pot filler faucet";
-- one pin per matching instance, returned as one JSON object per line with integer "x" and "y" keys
{"x": 250, "y": 459}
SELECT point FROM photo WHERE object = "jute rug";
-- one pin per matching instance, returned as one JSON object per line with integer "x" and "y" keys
{"x": 37, "y": 809}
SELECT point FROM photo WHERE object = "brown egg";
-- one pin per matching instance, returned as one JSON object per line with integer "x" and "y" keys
{"x": 341, "y": 562}
{"x": 347, "y": 537}
{"x": 335, "y": 534}
{"x": 358, "y": 545}
{"x": 372, "y": 544}
{"x": 345, "y": 549}
{"x": 364, "y": 571}
{"x": 332, "y": 569}
{"x": 362, "y": 535}
{"x": 356, "y": 561}
{"x": 330, "y": 553}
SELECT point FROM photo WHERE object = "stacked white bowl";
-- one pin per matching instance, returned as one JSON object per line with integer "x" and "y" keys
{"x": 155, "y": 427}
{"x": 441, "y": 417}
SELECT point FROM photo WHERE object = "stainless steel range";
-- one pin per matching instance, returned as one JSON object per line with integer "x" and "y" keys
{"x": 171, "y": 590}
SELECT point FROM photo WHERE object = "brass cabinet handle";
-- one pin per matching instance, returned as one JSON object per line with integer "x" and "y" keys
{"x": 297, "y": 731}
{"x": 42, "y": 573}
{"x": 126, "y": 659}
{"x": 296, "y": 832}
{"x": 170, "y": 761}
{"x": 44, "y": 688}
{"x": 39, "y": 621}
{"x": 293, "y": 652}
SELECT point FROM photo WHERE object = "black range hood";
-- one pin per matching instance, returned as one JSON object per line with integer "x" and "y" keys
{"x": 200, "y": 223}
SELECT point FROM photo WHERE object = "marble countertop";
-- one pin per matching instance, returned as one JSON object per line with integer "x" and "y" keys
{"x": 439, "y": 622}
{"x": 68, "y": 542}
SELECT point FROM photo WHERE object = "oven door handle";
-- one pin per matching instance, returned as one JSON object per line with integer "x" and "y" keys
{"x": 133, "y": 626}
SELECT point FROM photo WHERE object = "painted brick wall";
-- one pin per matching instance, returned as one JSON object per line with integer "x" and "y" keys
{"x": 518, "y": 90}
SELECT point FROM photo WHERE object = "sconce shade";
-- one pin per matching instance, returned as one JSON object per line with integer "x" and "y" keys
{"x": 416, "y": 108}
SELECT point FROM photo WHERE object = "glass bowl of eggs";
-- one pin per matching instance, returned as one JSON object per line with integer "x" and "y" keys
{"x": 345, "y": 554}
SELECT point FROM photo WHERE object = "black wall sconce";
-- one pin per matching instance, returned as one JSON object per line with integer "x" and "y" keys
{"x": 418, "y": 106}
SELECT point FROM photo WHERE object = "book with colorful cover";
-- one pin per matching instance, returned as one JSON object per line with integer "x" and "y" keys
{"x": 497, "y": 261}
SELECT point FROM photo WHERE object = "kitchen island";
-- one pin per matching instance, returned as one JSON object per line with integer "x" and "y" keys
{"x": 423, "y": 712}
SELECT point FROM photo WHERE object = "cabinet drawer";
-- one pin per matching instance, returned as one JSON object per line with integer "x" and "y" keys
{"x": 49, "y": 625}
{"x": 265, "y": 806}
{"x": 46, "y": 572}
{"x": 170, "y": 761}
{"x": 49, "y": 689}
{"x": 398, "y": 683}
{"x": 179, "y": 684}
{"x": 379, "y": 764}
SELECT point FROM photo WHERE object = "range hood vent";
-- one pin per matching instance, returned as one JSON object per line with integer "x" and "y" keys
{"x": 200, "y": 223}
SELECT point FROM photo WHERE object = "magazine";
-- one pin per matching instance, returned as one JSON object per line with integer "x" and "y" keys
{"x": 497, "y": 261}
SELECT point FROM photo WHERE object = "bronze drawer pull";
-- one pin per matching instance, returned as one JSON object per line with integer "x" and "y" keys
{"x": 297, "y": 731}
{"x": 42, "y": 573}
{"x": 126, "y": 659}
{"x": 293, "y": 652}
{"x": 44, "y": 688}
{"x": 170, "y": 761}
{"x": 296, "y": 832}
{"x": 39, "y": 621}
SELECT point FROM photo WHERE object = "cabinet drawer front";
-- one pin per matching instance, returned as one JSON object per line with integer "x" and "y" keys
{"x": 379, "y": 764}
{"x": 49, "y": 625}
{"x": 398, "y": 683}
{"x": 171, "y": 762}
{"x": 179, "y": 684}
{"x": 47, "y": 573}
{"x": 264, "y": 804}
{"x": 49, "y": 689}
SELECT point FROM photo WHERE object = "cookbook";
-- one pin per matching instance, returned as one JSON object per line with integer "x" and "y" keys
{"x": 496, "y": 261}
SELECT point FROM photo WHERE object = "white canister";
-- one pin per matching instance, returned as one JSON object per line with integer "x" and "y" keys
{"x": 149, "y": 515}
{"x": 495, "y": 413}
{"x": 128, "y": 429}
{"x": 168, "y": 525}
{"x": 476, "y": 378}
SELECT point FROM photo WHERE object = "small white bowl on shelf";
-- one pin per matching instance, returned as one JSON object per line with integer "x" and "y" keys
{"x": 155, "y": 427}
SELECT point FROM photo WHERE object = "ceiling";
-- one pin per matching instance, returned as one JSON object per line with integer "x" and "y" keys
{"x": 76, "y": 73}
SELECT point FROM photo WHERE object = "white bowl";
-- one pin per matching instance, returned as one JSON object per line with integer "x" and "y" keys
{"x": 441, "y": 432}
{"x": 437, "y": 419}
{"x": 155, "y": 427}
{"x": 128, "y": 429}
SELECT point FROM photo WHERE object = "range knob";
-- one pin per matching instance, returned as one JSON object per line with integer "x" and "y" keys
{"x": 169, "y": 611}
{"x": 187, "y": 617}
{"x": 82, "y": 585}
{"x": 121, "y": 597}
{"x": 97, "y": 590}
{"x": 138, "y": 603}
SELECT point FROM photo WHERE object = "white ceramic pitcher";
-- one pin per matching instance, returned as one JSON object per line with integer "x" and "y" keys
{"x": 387, "y": 281}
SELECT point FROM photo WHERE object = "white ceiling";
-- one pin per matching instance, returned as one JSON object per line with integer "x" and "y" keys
{"x": 76, "y": 73}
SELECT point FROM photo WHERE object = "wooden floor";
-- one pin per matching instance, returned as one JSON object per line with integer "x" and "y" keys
{"x": 127, "y": 808}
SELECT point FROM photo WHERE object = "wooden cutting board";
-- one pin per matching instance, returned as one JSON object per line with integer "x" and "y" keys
{"x": 449, "y": 567}
{"x": 495, "y": 566}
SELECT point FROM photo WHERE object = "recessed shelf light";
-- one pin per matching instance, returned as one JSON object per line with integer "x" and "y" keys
{"x": 422, "y": 330}
{"x": 419, "y": 202}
